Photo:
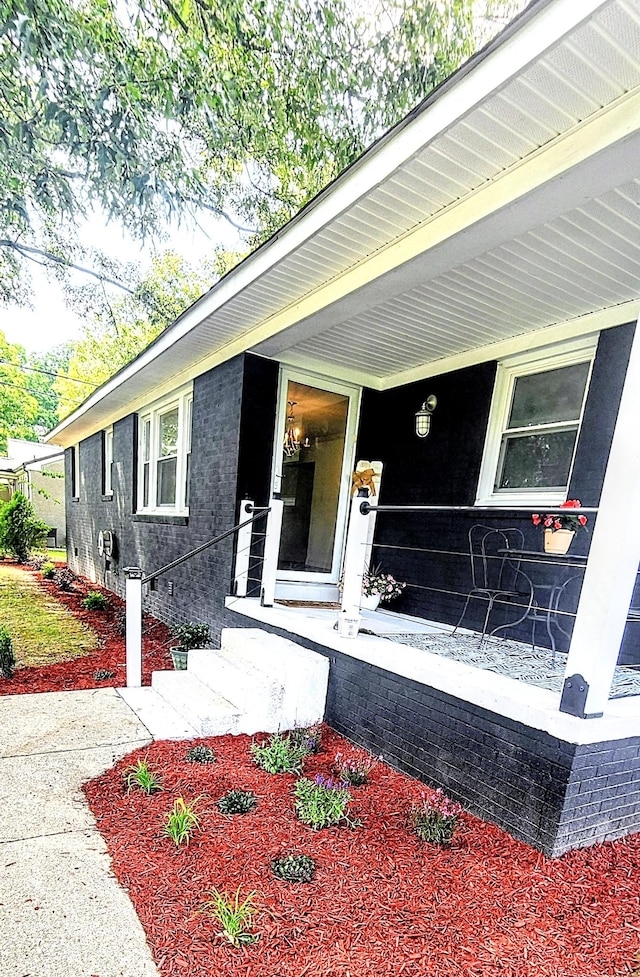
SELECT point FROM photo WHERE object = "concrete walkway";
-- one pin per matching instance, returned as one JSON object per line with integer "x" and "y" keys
{"x": 62, "y": 913}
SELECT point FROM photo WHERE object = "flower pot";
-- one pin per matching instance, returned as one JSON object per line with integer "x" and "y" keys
{"x": 557, "y": 541}
{"x": 369, "y": 602}
{"x": 179, "y": 657}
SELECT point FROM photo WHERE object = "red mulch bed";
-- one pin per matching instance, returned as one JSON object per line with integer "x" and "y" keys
{"x": 78, "y": 673}
{"x": 382, "y": 903}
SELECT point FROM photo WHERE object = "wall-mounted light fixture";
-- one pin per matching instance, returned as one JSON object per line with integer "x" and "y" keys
{"x": 423, "y": 416}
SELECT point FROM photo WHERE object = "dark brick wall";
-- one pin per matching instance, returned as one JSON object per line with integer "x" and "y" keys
{"x": 549, "y": 793}
{"x": 603, "y": 794}
{"x": 200, "y": 585}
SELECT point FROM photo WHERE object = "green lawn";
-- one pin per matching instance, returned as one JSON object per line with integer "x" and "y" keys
{"x": 41, "y": 629}
{"x": 58, "y": 556}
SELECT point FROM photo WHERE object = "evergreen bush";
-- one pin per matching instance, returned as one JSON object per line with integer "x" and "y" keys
{"x": 20, "y": 529}
{"x": 7, "y": 657}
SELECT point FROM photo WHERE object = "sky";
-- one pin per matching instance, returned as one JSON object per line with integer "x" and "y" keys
{"x": 50, "y": 323}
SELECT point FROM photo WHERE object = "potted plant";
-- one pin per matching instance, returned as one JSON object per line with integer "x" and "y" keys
{"x": 189, "y": 635}
{"x": 379, "y": 587}
{"x": 560, "y": 527}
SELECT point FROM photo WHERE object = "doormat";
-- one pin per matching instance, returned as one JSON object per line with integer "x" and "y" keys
{"x": 331, "y": 605}
{"x": 534, "y": 666}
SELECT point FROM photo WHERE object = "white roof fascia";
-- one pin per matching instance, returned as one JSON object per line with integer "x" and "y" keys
{"x": 504, "y": 58}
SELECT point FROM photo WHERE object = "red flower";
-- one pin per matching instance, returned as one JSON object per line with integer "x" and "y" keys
{"x": 562, "y": 519}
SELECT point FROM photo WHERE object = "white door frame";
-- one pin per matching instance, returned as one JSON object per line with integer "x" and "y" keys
{"x": 354, "y": 393}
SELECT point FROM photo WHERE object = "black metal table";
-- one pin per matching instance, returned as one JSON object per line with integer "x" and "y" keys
{"x": 546, "y": 596}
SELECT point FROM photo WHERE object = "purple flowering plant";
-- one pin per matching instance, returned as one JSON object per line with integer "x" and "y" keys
{"x": 354, "y": 769}
{"x": 322, "y": 802}
{"x": 435, "y": 818}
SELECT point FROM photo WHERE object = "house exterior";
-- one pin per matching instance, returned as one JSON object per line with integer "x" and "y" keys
{"x": 479, "y": 267}
{"x": 37, "y": 470}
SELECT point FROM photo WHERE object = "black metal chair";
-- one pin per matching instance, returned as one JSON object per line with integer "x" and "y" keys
{"x": 496, "y": 575}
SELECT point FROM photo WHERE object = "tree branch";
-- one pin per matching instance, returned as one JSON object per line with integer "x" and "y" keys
{"x": 220, "y": 213}
{"x": 33, "y": 253}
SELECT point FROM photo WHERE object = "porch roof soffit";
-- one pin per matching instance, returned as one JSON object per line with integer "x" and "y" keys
{"x": 546, "y": 121}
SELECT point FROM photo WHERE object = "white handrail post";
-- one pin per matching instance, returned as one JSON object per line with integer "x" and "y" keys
{"x": 243, "y": 551}
{"x": 354, "y": 566}
{"x": 133, "y": 607}
{"x": 271, "y": 550}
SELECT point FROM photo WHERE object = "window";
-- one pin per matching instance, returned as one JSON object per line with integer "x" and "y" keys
{"x": 534, "y": 423}
{"x": 107, "y": 462}
{"x": 164, "y": 455}
{"x": 75, "y": 471}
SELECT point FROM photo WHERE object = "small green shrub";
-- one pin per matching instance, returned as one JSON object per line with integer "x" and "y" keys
{"x": 321, "y": 803}
{"x": 235, "y": 915}
{"x": 237, "y": 802}
{"x": 200, "y": 754}
{"x": 7, "y": 657}
{"x": 95, "y": 601}
{"x": 102, "y": 674}
{"x": 140, "y": 775}
{"x": 48, "y": 571}
{"x": 307, "y": 737}
{"x": 279, "y": 754}
{"x": 294, "y": 868}
{"x": 191, "y": 635}
{"x": 435, "y": 818}
{"x": 182, "y": 821}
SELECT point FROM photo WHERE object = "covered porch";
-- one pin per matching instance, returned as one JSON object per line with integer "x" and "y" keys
{"x": 498, "y": 744}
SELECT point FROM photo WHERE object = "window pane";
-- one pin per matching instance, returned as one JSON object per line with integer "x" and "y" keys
{"x": 167, "y": 481}
{"x": 169, "y": 433}
{"x": 552, "y": 396}
{"x": 145, "y": 484}
{"x": 146, "y": 439}
{"x": 536, "y": 460}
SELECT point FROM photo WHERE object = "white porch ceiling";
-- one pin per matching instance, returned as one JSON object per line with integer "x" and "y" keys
{"x": 537, "y": 146}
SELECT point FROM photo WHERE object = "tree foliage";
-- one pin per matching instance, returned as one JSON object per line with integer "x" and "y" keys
{"x": 19, "y": 407}
{"x": 156, "y": 108}
{"x": 28, "y": 398}
{"x": 115, "y": 331}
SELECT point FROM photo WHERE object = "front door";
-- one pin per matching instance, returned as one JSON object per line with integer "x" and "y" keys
{"x": 313, "y": 464}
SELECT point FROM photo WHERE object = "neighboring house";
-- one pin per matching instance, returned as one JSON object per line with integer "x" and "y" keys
{"x": 37, "y": 470}
{"x": 486, "y": 251}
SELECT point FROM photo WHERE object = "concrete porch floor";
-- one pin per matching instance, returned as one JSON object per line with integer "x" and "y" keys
{"x": 469, "y": 670}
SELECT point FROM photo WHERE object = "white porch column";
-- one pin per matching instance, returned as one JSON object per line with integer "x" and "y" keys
{"x": 133, "y": 610}
{"x": 355, "y": 558}
{"x": 243, "y": 550}
{"x": 612, "y": 565}
{"x": 271, "y": 550}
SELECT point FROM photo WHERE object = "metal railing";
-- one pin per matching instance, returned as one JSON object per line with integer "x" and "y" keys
{"x": 135, "y": 577}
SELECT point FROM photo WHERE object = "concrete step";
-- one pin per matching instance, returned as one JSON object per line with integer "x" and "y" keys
{"x": 304, "y": 673}
{"x": 258, "y": 694}
{"x": 160, "y": 718}
{"x": 209, "y": 713}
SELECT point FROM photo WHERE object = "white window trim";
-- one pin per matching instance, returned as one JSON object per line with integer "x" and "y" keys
{"x": 181, "y": 399}
{"x": 107, "y": 461}
{"x": 526, "y": 364}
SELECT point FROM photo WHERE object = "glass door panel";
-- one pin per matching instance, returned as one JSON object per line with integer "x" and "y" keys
{"x": 313, "y": 445}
